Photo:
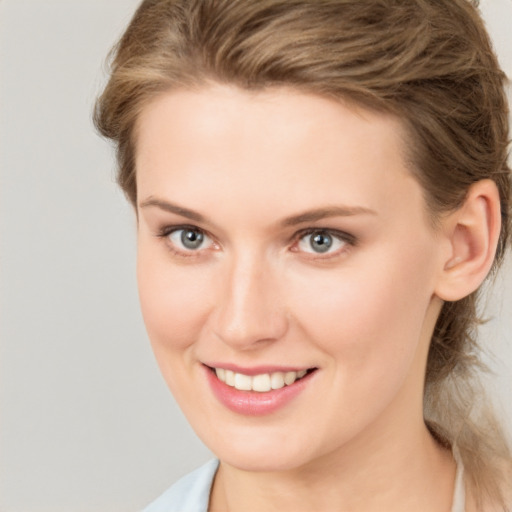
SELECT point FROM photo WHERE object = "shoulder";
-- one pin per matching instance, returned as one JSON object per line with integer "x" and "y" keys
{"x": 190, "y": 493}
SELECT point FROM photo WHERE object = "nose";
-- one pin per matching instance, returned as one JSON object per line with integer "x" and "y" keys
{"x": 249, "y": 311}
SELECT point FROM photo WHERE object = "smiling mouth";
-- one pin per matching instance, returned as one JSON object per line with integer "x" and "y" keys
{"x": 261, "y": 383}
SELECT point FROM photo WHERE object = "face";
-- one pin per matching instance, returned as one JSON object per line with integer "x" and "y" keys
{"x": 286, "y": 270}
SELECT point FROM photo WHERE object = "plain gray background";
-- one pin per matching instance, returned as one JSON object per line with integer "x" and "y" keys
{"x": 87, "y": 423}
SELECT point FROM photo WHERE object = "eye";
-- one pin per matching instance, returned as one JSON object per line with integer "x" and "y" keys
{"x": 189, "y": 239}
{"x": 322, "y": 242}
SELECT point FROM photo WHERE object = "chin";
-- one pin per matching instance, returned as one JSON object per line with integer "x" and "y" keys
{"x": 259, "y": 451}
{"x": 269, "y": 462}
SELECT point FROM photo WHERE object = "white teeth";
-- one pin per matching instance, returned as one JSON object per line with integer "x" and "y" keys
{"x": 230, "y": 378}
{"x": 262, "y": 383}
{"x": 243, "y": 382}
{"x": 290, "y": 377}
{"x": 277, "y": 380}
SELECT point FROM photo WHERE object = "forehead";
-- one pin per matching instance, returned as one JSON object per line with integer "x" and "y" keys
{"x": 224, "y": 110}
{"x": 277, "y": 144}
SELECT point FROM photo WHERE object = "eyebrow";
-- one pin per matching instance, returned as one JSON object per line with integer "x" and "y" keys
{"x": 172, "y": 208}
{"x": 308, "y": 216}
{"x": 323, "y": 213}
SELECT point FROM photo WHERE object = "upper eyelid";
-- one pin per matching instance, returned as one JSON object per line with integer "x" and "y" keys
{"x": 343, "y": 235}
{"x": 348, "y": 241}
{"x": 183, "y": 252}
{"x": 168, "y": 229}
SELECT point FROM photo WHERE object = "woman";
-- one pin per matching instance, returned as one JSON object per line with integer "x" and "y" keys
{"x": 321, "y": 188}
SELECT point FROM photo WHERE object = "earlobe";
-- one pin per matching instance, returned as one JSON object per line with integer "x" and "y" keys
{"x": 472, "y": 232}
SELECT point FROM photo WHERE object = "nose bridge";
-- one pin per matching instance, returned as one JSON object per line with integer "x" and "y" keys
{"x": 249, "y": 308}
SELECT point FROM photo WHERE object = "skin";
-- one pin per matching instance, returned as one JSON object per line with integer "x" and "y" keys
{"x": 256, "y": 293}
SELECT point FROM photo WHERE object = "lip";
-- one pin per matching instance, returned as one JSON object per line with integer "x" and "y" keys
{"x": 254, "y": 403}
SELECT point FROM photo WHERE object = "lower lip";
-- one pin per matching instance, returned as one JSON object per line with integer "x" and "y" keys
{"x": 254, "y": 403}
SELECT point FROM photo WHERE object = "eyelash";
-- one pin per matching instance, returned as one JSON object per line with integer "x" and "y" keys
{"x": 346, "y": 238}
{"x": 165, "y": 232}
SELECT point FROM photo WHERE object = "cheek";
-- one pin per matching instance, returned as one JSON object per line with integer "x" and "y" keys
{"x": 366, "y": 315}
{"x": 173, "y": 302}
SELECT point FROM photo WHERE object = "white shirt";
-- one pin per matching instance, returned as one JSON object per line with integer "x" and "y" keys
{"x": 192, "y": 492}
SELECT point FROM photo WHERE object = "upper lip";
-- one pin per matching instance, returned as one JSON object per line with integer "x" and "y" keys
{"x": 257, "y": 370}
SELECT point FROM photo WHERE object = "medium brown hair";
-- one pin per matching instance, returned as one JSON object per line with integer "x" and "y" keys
{"x": 428, "y": 62}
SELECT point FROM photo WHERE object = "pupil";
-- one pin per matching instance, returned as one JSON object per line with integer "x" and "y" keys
{"x": 191, "y": 239}
{"x": 321, "y": 242}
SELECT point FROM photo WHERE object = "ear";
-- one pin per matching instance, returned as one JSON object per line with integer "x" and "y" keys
{"x": 472, "y": 233}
